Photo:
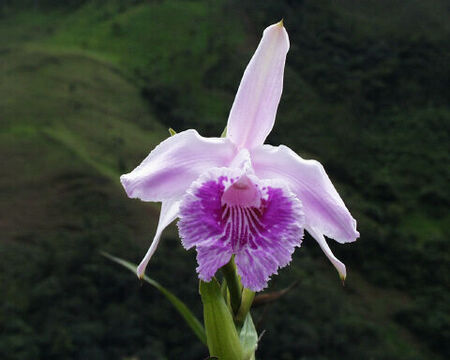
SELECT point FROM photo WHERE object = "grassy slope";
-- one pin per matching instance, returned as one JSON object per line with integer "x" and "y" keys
{"x": 71, "y": 123}
{"x": 74, "y": 103}
{"x": 85, "y": 122}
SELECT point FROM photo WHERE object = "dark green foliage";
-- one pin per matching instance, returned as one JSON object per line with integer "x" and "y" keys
{"x": 85, "y": 87}
{"x": 64, "y": 300}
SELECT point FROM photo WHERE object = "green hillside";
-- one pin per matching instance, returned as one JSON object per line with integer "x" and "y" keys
{"x": 88, "y": 88}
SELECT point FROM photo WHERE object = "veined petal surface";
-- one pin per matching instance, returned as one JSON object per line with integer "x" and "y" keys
{"x": 174, "y": 164}
{"x": 229, "y": 212}
{"x": 254, "y": 109}
{"x": 323, "y": 207}
{"x": 169, "y": 212}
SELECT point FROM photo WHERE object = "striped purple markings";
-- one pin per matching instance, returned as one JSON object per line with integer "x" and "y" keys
{"x": 259, "y": 222}
{"x": 236, "y": 196}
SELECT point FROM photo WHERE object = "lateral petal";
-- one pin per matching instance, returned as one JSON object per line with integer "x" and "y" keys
{"x": 169, "y": 212}
{"x": 323, "y": 207}
{"x": 174, "y": 164}
{"x": 340, "y": 267}
{"x": 254, "y": 109}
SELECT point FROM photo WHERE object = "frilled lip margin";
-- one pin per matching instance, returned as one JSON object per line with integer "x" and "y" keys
{"x": 180, "y": 170}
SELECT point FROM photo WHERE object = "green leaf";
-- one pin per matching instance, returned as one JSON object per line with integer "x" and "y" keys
{"x": 249, "y": 338}
{"x": 184, "y": 311}
{"x": 221, "y": 334}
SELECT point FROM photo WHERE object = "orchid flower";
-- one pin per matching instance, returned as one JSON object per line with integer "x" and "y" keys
{"x": 237, "y": 197}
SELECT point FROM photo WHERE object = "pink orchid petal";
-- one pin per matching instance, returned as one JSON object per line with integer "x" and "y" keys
{"x": 210, "y": 259}
{"x": 169, "y": 212}
{"x": 262, "y": 226}
{"x": 340, "y": 267}
{"x": 255, "y": 106}
{"x": 174, "y": 164}
{"x": 324, "y": 209}
{"x": 242, "y": 161}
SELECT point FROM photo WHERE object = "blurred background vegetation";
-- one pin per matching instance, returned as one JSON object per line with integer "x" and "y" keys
{"x": 88, "y": 88}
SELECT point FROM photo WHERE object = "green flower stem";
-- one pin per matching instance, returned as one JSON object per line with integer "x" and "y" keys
{"x": 221, "y": 334}
{"x": 234, "y": 285}
{"x": 224, "y": 289}
{"x": 244, "y": 308}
